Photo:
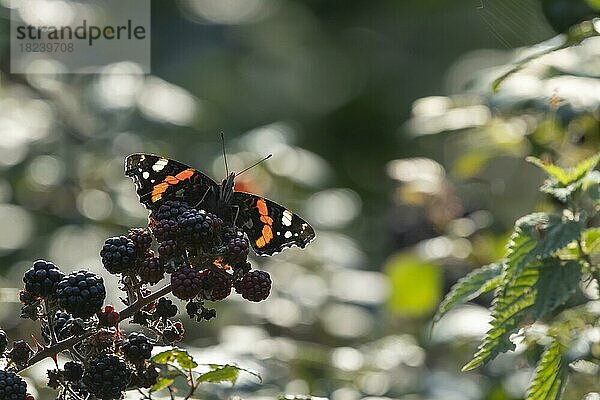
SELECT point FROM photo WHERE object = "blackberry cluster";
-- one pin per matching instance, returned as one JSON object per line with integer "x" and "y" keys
{"x": 107, "y": 376}
{"x": 41, "y": 279}
{"x": 196, "y": 226}
{"x": 187, "y": 282}
{"x": 141, "y": 238}
{"x": 137, "y": 347}
{"x": 12, "y": 386}
{"x": 81, "y": 293}
{"x": 151, "y": 270}
{"x": 254, "y": 286}
{"x": 118, "y": 254}
{"x": 171, "y": 210}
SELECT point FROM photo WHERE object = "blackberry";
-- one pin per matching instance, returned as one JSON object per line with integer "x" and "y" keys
{"x": 3, "y": 341}
{"x": 196, "y": 225}
{"x": 73, "y": 371}
{"x": 62, "y": 321}
{"x": 186, "y": 282}
{"x": 12, "y": 386}
{"x": 20, "y": 353}
{"x": 167, "y": 249}
{"x": 118, "y": 254}
{"x": 137, "y": 348}
{"x": 237, "y": 249}
{"x": 254, "y": 286}
{"x": 165, "y": 308}
{"x": 41, "y": 279}
{"x": 165, "y": 229}
{"x": 106, "y": 377}
{"x": 81, "y": 293}
{"x": 150, "y": 270}
{"x": 217, "y": 286}
{"x": 146, "y": 378}
{"x": 141, "y": 238}
{"x": 171, "y": 210}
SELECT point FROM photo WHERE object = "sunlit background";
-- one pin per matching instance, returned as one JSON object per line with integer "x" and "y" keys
{"x": 385, "y": 135}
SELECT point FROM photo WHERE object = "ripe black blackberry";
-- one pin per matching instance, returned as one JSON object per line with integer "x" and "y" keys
{"x": 12, "y": 386}
{"x": 141, "y": 238}
{"x": 197, "y": 225}
{"x": 73, "y": 371}
{"x": 20, "y": 353}
{"x": 165, "y": 229}
{"x": 118, "y": 254}
{"x": 81, "y": 293}
{"x": 137, "y": 347}
{"x": 216, "y": 286}
{"x": 3, "y": 342}
{"x": 107, "y": 376}
{"x": 186, "y": 282}
{"x": 167, "y": 249}
{"x": 150, "y": 269}
{"x": 171, "y": 210}
{"x": 41, "y": 279}
{"x": 237, "y": 250}
{"x": 254, "y": 286}
{"x": 165, "y": 308}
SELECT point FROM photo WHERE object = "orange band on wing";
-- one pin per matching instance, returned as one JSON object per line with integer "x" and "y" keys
{"x": 170, "y": 180}
{"x": 267, "y": 232}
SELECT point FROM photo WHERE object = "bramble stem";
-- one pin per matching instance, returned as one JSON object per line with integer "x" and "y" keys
{"x": 126, "y": 313}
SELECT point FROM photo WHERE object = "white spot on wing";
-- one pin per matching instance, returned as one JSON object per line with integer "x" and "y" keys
{"x": 145, "y": 174}
{"x": 286, "y": 219}
{"x": 288, "y": 234}
{"x": 160, "y": 164}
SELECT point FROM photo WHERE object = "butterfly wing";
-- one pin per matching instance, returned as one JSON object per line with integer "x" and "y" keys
{"x": 270, "y": 227}
{"x": 158, "y": 179}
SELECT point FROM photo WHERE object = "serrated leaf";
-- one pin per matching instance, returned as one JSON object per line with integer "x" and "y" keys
{"x": 538, "y": 289}
{"x": 161, "y": 384}
{"x": 182, "y": 357}
{"x": 220, "y": 373}
{"x": 570, "y": 175}
{"x": 550, "y": 375}
{"x": 590, "y": 240}
{"x": 474, "y": 284}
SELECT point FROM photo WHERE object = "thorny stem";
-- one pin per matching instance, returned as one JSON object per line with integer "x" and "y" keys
{"x": 70, "y": 342}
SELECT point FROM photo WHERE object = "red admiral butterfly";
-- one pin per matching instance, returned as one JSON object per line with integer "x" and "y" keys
{"x": 270, "y": 227}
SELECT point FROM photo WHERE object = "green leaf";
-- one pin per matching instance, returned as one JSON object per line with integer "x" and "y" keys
{"x": 220, "y": 373}
{"x": 550, "y": 375}
{"x": 476, "y": 283}
{"x": 590, "y": 239}
{"x": 537, "y": 290}
{"x": 161, "y": 384}
{"x": 567, "y": 176}
{"x": 416, "y": 285}
{"x": 182, "y": 357}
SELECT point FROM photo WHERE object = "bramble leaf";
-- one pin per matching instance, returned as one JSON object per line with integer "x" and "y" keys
{"x": 161, "y": 384}
{"x": 476, "y": 283}
{"x": 182, "y": 357}
{"x": 220, "y": 373}
{"x": 538, "y": 289}
{"x": 550, "y": 375}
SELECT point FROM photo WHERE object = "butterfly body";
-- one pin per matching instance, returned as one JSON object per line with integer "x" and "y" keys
{"x": 269, "y": 226}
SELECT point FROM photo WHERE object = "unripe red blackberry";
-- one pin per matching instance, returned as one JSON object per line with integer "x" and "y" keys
{"x": 3, "y": 342}
{"x": 216, "y": 286}
{"x": 195, "y": 226}
{"x": 107, "y": 377}
{"x": 237, "y": 249}
{"x": 108, "y": 317}
{"x": 165, "y": 229}
{"x": 186, "y": 282}
{"x": 174, "y": 333}
{"x": 141, "y": 238}
{"x": 254, "y": 286}
{"x": 171, "y": 210}
{"x": 165, "y": 308}
{"x": 81, "y": 293}
{"x": 73, "y": 371}
{"x": 118, "y": 254}
{"x": 41, "y": 279}
{"x": 137, "y": 347}
{"x": 150, "y": 270}
{"x": 12, "y": 386}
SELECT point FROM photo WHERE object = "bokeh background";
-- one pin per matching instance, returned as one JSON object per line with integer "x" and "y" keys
{"x": 386, "y": 136}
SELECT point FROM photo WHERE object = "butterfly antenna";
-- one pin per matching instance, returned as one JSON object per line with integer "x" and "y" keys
{"x": 254, "y": 165}
{"x": 224, "y": 152}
